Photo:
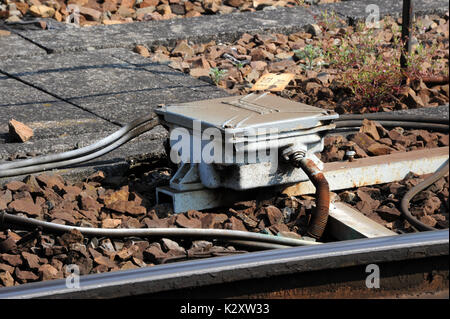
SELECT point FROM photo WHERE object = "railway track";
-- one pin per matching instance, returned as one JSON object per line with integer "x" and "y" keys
{"x": 363, "y": 260}
{"x": 410, "y": 265}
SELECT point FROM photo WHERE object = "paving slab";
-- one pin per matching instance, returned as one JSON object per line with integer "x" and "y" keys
{"x": 175, "y": 77}
{"x": 108, "y": 86}
{"x": 208, "y": 27}
{"x": 115, "y": 163}
{"x": 75, "y": 99}
{"x": 14, "y": 45}
{"x": 227, "y": 27}
{"x": 47, "y": 116}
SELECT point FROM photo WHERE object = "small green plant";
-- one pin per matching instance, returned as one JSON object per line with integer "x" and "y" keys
{"x": 309, "y": 54}
{"x": 240, "y": 65}
{"x": 330, "y": 20}
{"x": 216, "y": 75}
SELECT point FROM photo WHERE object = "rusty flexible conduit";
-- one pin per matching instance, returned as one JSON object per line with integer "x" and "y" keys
{"x": 319, "y": 218}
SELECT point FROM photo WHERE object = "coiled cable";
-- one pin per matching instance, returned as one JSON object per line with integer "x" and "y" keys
{"x": 441, "y": 172}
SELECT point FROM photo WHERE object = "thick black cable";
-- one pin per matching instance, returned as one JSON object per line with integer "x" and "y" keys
{"x": 441, "y": 172}
{"x": 392, "y": 117}
{"x": 82, "y": 151}
{"x": 77, "y": 160}
{"x": 404, "y": 124}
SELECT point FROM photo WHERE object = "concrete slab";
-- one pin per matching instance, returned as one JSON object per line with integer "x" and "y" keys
{"x": 214, "y": 27}
{"x": 15, "y": 46}
{"x": 79, "y": 75}
{"x": 162, "y": 70}
{"x": 108, "y": 86}
{"x": 227, "y": 27}
{"x": 47, "y": 116}
{"x": 113, "y": 164}
{"x": 125, "y": 107}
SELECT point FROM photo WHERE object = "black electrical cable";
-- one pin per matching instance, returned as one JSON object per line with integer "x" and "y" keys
{"x": 348, "y": 121}
{"x": 392, "y": 117}
{"x": 158, "y": 232}
{"x": 82, "y": 151}
{"x": 441, "y": 172}
{"x": 77, "y": 160}
{"x": 406, "y": 124}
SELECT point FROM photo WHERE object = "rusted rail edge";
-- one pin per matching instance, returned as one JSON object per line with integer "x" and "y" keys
{"x": 238, "y": 268}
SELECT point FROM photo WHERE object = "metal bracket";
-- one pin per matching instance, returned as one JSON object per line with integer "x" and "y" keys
{"x": 186, "y": 178}
{"x": 197, "y": 199}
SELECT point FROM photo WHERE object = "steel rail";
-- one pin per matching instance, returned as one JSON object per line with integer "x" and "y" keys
{"x": 238, "y": 268}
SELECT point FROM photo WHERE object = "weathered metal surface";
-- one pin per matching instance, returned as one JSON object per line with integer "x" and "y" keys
{"x": 239, "y": 114}
{"x": 271, "y": 271}
{"x": 319, "y": 219}
{"x": 376, "y": 170}
{"x": 346, "y": 223}
{"x": 249, "y": 176}
{"x": 197, "y": 199}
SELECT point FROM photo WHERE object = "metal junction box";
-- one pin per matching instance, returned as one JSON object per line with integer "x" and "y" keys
{"x": 238, "y": 142}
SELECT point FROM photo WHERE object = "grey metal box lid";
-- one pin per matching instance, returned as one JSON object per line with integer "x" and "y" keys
{"x": 239, "y": 114}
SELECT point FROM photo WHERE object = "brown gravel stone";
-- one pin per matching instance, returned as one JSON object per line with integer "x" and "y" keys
{"x": 64, "y": 215}
{"x": 71, "y": 192}
{"x": 127, "y": 207}
{"x": 7, "y": 245}
{"x": 183, "y": 49}
{"x": 72, "y": 237}
{"x": 89, "y": 203}
{"x": 19, "y": 132}
{"x": 142, "y": 50}
{"x": 32, "y": 260}
{"x": 377, "y": 149}
{"x": 51, "y": 181}
{"x": 154, "y": 253}
{"x": 111, "y": 223}
{"x": 388, "y": 213}
{"x": 26, "y": 206}
{"x": 363, "y": 141}
{"x": 13, "y": 260}
{"x": 105, "y": 261}
{"x": 48, "y": 272}
{"x": 6, "y": 279}
{"x": 14, "y": 186}
{"x": 234, "y": 223}
{"x": 123, "y": 194}
{"x": 128, "y": 265}
{"x": 156, "y": 223}
{"x": 248, "y": 220}
{"x": 25, "y": 276}
{"x": 273, "y": 214}
{"x": 370, "y": 128}
{"x": 431, "y": 205}
{"x": 170, "y": 245}
{"x": 428, "y": 220}
{"x": 5, "y": 198}
{"x": 185, "y": 222}
{"x": 5, "y": 267}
